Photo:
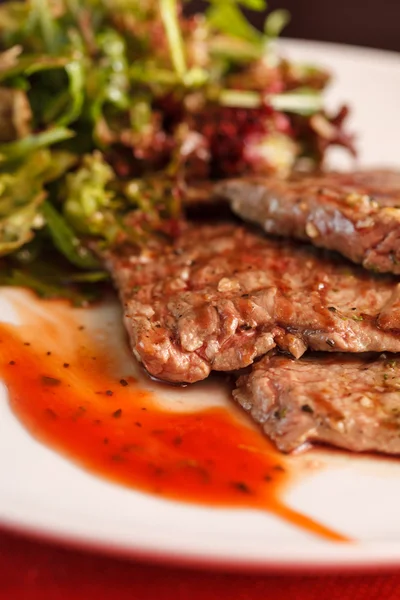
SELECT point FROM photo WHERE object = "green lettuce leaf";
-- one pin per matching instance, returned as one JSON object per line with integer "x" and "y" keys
{"x": 12, "y": 64}
{"x": 65, "y": 239}
{"x": 50, "y": 287}
{"x": 76, "y": 91}
{"x": 16, "y": 228}
{"x": 227, "y": 18}
{"x": 169, "y": 16}
{"x": 275, "y": 22}
{"x": 257, "y": 5}
{"x": 19, "y": 149}
{"x": 22, "y": 193}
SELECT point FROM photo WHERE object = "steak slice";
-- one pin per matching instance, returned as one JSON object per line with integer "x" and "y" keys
{"x": 219, "y": 296}
{"x": 349, "y": 401}
{"x": 357, "y": 214}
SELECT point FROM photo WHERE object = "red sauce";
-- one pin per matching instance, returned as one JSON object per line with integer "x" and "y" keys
{"x": 68, "y": 395}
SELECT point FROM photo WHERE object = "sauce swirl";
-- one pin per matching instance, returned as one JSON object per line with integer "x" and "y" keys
{"x": 64, "y": 388}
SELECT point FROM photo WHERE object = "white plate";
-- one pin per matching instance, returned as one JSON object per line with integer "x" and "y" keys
{"x": 43, "y": 493}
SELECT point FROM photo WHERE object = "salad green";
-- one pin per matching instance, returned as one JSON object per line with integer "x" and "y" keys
{"x": 110, "y": 108}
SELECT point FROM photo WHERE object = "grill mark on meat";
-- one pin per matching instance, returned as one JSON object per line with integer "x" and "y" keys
{"x": 356, "y": 214}
{"x": 219, "y": 296}
{"x": 349, "y": 401}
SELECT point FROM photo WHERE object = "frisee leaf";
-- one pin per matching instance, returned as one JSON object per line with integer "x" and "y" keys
{"x": 90, "y": 207}
{"x": 16, "y": 228}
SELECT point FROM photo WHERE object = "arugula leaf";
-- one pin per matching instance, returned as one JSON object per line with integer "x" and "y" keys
{"x": 40, "y": 20}
{"x": 169, "y": 16}
{"x": 240, "y": 98}
{"x": 70, "y": 99}
{"x": 76, "y": 78}
{"x": 302, "y": 101}
{"x": 147, "y": 73}
{"x": 48, "y": 288}
{"x": 65, "y": 239}
{"x": 28, "y": 64}
{"x": 258, "y": 5}
{"x": 228, "y": 18}
{"x": 234, "y": 49}
{"x": 88, "y": 277}
{"x": 20, "y": 148}
{"x": 275, "y": 22}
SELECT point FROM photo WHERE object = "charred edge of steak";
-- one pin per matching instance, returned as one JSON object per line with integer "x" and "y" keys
{"x": 356, "y": 214}
{"x": 348, "y": 401}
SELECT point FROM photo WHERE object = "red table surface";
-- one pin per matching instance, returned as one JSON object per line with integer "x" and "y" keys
{"x": 32, "y": 570}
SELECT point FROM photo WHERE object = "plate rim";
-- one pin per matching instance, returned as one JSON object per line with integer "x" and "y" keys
{"x": 316, "y": 562}
{"x": 332, "y": 557}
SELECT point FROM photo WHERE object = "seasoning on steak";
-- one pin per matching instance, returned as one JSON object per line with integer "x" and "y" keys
{"x": 220, "y": 295}
{"x": 357, "y": 214}
{"x": 350, "y": 401}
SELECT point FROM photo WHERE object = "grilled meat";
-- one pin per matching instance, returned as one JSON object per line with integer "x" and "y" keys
{"x": 219, "y": 296}
{"x": 356, "y": 214}
{"x": 350, "y": 401}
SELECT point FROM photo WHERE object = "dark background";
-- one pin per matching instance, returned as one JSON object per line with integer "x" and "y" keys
{"x": 363, "y": 22}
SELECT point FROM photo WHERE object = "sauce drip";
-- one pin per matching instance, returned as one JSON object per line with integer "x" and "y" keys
{"x": 63, "y": 387}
